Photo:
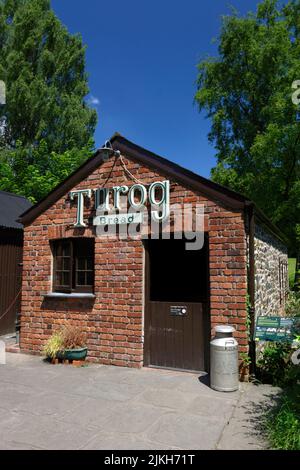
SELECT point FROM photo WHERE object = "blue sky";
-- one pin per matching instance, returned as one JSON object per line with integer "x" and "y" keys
{"x": 141, "y": 59}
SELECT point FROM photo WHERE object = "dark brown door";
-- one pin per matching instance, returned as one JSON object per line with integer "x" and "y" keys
{"x": 177, "y": 340}
{"x": 176, "y": 309}
{"x": 11, "y": 246}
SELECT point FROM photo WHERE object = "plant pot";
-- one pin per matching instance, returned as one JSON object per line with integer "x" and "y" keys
{"x": 73, "y": 354}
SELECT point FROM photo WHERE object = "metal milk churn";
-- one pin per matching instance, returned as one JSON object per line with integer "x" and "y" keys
{"x": 224, "y": 368}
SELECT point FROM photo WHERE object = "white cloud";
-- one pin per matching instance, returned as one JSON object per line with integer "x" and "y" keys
{"x": 93, "y": 101}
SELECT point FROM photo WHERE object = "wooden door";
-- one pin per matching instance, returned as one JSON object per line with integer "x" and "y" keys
{"x": 176, "y": 339}
{"x": 176, "y": 307}
{"x": 11, "y": 246}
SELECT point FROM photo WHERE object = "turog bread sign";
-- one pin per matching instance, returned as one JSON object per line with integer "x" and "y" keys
{"x": 137, "y": 197}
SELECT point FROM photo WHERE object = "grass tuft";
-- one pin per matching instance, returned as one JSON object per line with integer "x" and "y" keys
{"x": 292, "y": 270}
{"x": 283, "y": 422}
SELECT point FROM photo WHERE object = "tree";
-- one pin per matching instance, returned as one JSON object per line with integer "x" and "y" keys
{"x": 46, "y": 128}
{"x": 246, "y": 92}
{"x": 43, "y": 169}
{"x": 43, "y": 67}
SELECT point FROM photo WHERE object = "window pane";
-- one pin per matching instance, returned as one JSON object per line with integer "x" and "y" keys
{"x": 62, "y": 263}
{"x": 58, "y": 278}
{"x": 84, "y": 257}
{"x": 81, "y": 263}
{"x": 66, "y": 278}
{"x": 90, "y": 276}
{"x": 66, "y": 249}
{"x": 58, "y": 263}
{"x": 58, "y": 249}
{"x": 90, "y": 264}
{"x": 66, "y": 264}
{"x": 81, "y": 278}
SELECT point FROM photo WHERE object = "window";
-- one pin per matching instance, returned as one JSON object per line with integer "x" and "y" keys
{"x": 73, "y": 267}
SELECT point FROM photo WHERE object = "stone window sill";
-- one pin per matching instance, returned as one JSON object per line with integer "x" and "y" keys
{"x": 74, "y": 295}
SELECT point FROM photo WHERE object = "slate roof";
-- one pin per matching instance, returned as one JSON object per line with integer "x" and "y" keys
{"x": 11, "y": 207}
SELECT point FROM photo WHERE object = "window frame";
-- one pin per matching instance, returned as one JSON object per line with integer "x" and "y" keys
{"x": 74, "y": 250}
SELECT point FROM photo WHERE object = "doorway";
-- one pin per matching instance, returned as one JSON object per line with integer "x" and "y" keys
{"x": 176, "y": 305}
{"x": 11, "y": 248}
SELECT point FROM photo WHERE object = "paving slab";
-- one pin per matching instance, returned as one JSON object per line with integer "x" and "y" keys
{"x": 135, "y": 418}
{"x": 43, "y": 432}
{"x": 167, "y": 399}
{"x": 204, "y": 405}
{"x": 244, "y": 431}
{"x": 187, "y": 431}
{"x": 44, "y": 406}
{"x": 90, "y": 413}
{"x": 118, "y": 441}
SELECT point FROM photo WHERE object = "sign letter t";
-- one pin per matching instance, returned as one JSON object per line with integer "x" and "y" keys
{"x": 80, "y": 200}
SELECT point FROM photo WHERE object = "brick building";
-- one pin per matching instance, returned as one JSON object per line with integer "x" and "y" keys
{"x": 146, "y": 300}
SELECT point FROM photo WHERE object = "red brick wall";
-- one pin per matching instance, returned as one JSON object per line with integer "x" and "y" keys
{"x": 114, "y": 320}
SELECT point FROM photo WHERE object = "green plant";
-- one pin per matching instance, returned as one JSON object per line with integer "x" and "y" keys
{"x": 275, "y": 366}
{"x": 256, "y": 132}
{"x": 54, "y": 345}
{"x": 292, "y": 307}
{"x": 292, "y": 271}
{"x": 245, "y": 358}
{"x": 283, "y": 422}
{"x": 272, "y": 362}
{"x": 68, "y": 337}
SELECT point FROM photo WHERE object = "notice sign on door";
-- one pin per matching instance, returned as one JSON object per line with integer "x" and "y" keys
{"x": 277, "y": 328}
{"x": 178, "y": 310}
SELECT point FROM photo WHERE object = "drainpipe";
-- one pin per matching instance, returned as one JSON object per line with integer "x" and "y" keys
{"x": 251, "y": 286}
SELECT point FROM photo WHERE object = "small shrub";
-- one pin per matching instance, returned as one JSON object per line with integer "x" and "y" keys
{"x": 245, "y": 359}
{"x": 54, "y": 345}
{"x": 69, "y": 337}
{"x": 73, "y": 337}
{"x": 292, "y": 307}
{"x": 274, "y": 364}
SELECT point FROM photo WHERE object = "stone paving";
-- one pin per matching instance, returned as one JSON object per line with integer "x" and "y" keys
{"x": 45, "y": 406}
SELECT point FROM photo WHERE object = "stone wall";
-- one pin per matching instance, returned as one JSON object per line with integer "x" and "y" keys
{"x": 270, "y": 273}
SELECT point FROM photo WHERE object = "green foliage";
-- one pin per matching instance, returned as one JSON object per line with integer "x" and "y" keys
{"x": 292, "y": 271}
{"x": 283, "y": 422}
{"x": 47, "y": 128}
{"x": 246, "y": 360}
{"x": 34, "y": 171}
{"x": 292, "y": 307}
{"x": 68, "y": 337}
{"x": 43, "y": 67}
{"x": 54, "y": 345}
{"x": 246, "y": 92}
{"x": 275, "y": 365}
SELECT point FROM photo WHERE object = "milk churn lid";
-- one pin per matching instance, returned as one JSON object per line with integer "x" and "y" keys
{"x": 224, "y": 329}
